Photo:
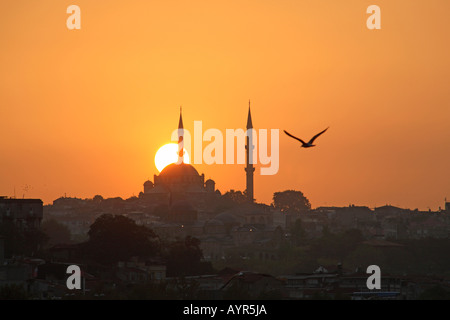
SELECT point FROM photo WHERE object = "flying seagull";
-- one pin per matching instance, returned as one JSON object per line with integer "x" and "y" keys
{"x": 306, "y": 144}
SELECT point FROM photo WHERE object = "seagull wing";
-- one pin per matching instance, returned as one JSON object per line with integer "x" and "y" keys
{"x": 290, "y": 135}
{"x": 315, "y": 137}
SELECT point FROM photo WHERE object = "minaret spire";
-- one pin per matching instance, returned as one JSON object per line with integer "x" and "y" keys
{"x": 249, "y": 169}
{"x": 249, "y": 117}
{"x": 180, "y": 139}
{"x": 180, "y": 123}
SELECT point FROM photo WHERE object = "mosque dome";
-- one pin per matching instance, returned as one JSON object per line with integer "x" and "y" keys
{"x": 178, "y": 170}
{"x": 181, "y": 177}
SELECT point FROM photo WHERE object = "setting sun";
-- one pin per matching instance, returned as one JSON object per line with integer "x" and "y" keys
{"x": 168, "y": 154}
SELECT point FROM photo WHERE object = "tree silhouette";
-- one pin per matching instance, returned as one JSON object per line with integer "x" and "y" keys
{"x": 236, "y": 197}
{"x": 114, "y": 238}
{"x": 97, "y": 198}
{"x": 291, "y": 201}
{"x": 57, "y": 232}
{"x": 229, "y": 199}
{"x": 184, "y": 257}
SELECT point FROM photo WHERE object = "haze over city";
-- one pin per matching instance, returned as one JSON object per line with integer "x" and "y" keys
{"x": 87, "y": 110}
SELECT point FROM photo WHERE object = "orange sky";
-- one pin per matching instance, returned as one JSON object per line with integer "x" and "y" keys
{"x": 83, "y": 112}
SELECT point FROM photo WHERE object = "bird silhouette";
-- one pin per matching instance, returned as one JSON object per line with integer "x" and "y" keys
{"x": 308, "y": 144}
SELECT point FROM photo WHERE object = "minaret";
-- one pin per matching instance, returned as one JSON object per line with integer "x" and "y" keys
{"x": 180, "y": 139}
{"x": 249, "y": 169}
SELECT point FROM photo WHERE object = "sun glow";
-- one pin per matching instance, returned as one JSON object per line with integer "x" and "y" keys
{"x": 168, "y": 154}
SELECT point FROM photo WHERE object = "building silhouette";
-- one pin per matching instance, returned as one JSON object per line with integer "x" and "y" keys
{"x": 188, "y": 205}
{"x": 23, "y": 213}
{"x": 180, "y": 189}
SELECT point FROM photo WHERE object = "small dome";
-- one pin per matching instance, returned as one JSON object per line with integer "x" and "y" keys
{"x": 148, "y": 183}
{"x": 178, "y": 170}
